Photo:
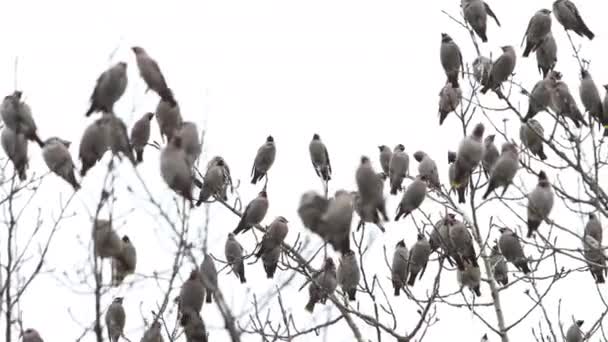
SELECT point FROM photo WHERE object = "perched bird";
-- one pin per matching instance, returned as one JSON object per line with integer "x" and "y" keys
{"x": 412, "y": 198}
{"x": 476, "y": 14}
{"x": 418, "y": 258}
{"x": 334, "y": 225}
{"x": 58, "y": 159}
{"x": 500, "y": 269}
{"x": 320, "y": 158}
{"x": 451, "y": 59}
{"x": 270, "y": 261}
{"x": 428, "y": 168}
{"x": 490, "y": 154}
{"x": 460, "y": 186}
{"x": 175, "y": 170}
{"x": 546, "y": 54}
{"x": 323, "y": 285}
{"x": 399, "y": 268}
{"x": 194, "y": 327}
{"x": 208, "y": 274}
{"x": 106, "y": 242}
{"x": 349, "y": 274}
{"x": 31, "y": 335}
{"x": 440, "y": 239}
{"x": 370, "y": 187}
{"x": 531, "y": 134}
{"x": 110, "y": 87}
{"x": 484, "y": 338}
{"x": 563, "y": 103}
{"x": 596, "y": 259}
{"x": 140, "y": 134}
{"x": 219, "y": 161}
{"x": 169, "y": 119}
{"x": 213, "y": 182}
{"x": 482, "y": 66}
{"x": 263, "y": 160}
{"x": 153, "y": 333}
{"x": 385, "y": 157}
{"x": 511, "y": 249}
{"x": 254, "y": 213}
{"x": 150, "y": 72}
{"x": 192, "y": 293}
{"x": 605, "y": 111}
{"x": 118, "y": 137}
{"x": 234, "y": 257}
{"x": 540, "y": 97}
{"x": 462, "y": 241}
{"x": 593, "y": 228}
{"x": 367, "y": 212}
{"x": 471, "y": 278}
{"x": 190, "y": 141}
{"x": 274, "y": 236}
{"x": 538, "y": 28}
{"x": 574, "y": 333}
{"x": 449, "y": 100}
{"x": 115, "y": 319}
{"x": 590, "y": 97}
{"x": 470, "y": 153}
{"x": 15, "y": 147}
{"x": 125, "y": 262}
{"x": 567, "y": 14}
{"x": 502, "y": 68}
{"x": 504, "y": 170}
{"x": 94, "y": 143}
{"x": 17, "y": 115}
{"x": 311, "y": 208}
{"x": 398, "y": 168}
{"x": 540, "y": 203}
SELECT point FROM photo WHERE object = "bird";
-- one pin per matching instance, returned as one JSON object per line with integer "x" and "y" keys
{"x": 510, "y": 247}
{"x": 109, "y": 88}
{"x": 192, "y": 293}
{"x": 94, "y": 143}
{"x": 115, "y": 319}
{"x": 440, "y": 239}
{"x": 140, "y": 134}
{"x": 254, "y": 213}
{"x": 334, "y": 225}
{"x": 502, "y": 68}
{"x": 208, "y": 274}
{"x": 274, "y": 236}
{"x": 348, "y": 274}
{"x": 590, "y": 98}
{"x": 500, "y": 269}
{"x": 398, "y": 168}
{"x": 153, "y": 333}
{"x": 385, "y": 157}
{"x": 567, "y": 14}
{"x": 563, "y": 103}
{"x": 194, "y": 326}
{"x": 234, "y": 257}
{"x": 605, "y": 111}
{"x": 263, "y": 160}
{"x": 469, "y": 155}
{"x": 213, "y": 182}
{"x": 152, "y": 75}
{"x": 412, "y": 198}
{"x": 476, "y": 14}
{"x": 460, "y": 186}
{"x": 17, "y": 115}
{"x": 596, "y": 259}
{"x": 125, "y": 262}
{"x": 504, "y": 170}
{"x": 531, "y": 134}
{"x": 31, "y": 335}
{"x": 270, "y": 261}
{"x": 574, "y": 333}
{"x": 462, "y": 241}
{"x": 482, "y": 66}
{"x": 58, "y": 159}
{"x": 546, "y": 54}
{"x": 540, "y": 96}
{"x": 190, "y": 141}
{"x": 117, "y": 136}
{"x": 490, "y": 154}
{"x": 470, "y": 277}
{"x": 399, "y": 268}
{"x": 175, "y": 170}
{"x": 428, "y": 168}
{"x": 538, "y": 28}
{"x": 168, "y": 118}
{"x": 15, "y": 147}
{"x": 449, "y": 100}
{"x": 418, "y": 258}
{"x": 594, "y": 228}
{"x": 107, "y": 244}
{"x": 320, "y": 158}
{"x": 323, "y": 285}
{"x": 451, "y": 59}
{"x": 311, "y": 208}
{"x": 370, "y": 186}
{"x": 540, "y": 203}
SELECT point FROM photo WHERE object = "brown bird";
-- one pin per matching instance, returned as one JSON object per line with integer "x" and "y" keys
{"x": 140, "y": 134}
{"x": 150, "y": 72}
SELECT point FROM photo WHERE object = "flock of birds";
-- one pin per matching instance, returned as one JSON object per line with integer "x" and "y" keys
{"x": 330, "y": 218}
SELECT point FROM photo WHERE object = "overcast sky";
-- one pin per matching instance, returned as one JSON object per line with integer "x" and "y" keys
{"x": 359, "y": 73}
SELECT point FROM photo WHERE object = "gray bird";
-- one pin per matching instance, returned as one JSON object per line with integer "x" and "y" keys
{"x": 254, "y": 213}
{"x": 567, "y": 14}
{"x": 93, "y": 145}
{"x": 490, "y": 154}
{"x": 503, "y": 172}
{"x": 531, "y": 134}
{"x": 109, "y": 88}
{"x": 118, "y": 136}
{"x": 510, "y": 247}
{"x": 150, "y": 72}
{"x": 500, "y": 269}
{"x": 349, "y": 274}
{"x": 462, "y": 241}
{"x": 311, "y": 208}
{"x": 593, "y": 228}
{"x": 190, "y": 141}
{"x": 484, "y": 338}
{"x": 274, "y": 236}
{"x": 449, "y": 100}
{"x": 482, "y": 66}
{"x": 546, "y": 54}
{"x": 563, "y": 103}
{"x": 440, "y": 239}
{"x": 451, "y": 59}
{"x": 596, "y": 259}
{"x": 320, "y": 158}
{"x": 192, "y": 293}
{"x": 270, "y": 261}
{"x": 476, "y": 14}
{"x": 399, "y": 168}
{"x": 334, "y": 226}
{"x": 428, "y": 168}
{"x": 605, "y": 111}
{"x": 370, "y": 187}
{"x": 470, "y": 153}
{"x": 418, "y": 258}
{"x": 590, "y": 97}
{"x": 540, "y": 97}
{"x": 323, "y": 285}
{"x": 115, "y": 319}
{"x": 399, "y": 267}
{"x": 31, "y": 335}
{"x": 15, "y": 147}
{"x": 125, "y": 262}
{"x": 366, "y": 212}
{"x": 107, "y": 244}
{"x": 412, "y": 198}
{"x": 153, "y": 333}
{"x": 17, "y": 115}
{"x": 385, "y": 157}
{"x": 502, "y": 68}
{"x": 218, "y": 160}
{"x": 175, "y": 170}
{"x": 213, "y": 182}
{"x": 460, "y": 186}
{"x": 169, "y": 119}
{"x": 574, "y": 333}
{"x": 208, "y": 274}
{"x": 538, "y": 28}
{"x": 263, "y": 160}
{"x": 471, "y": 278}
{"x": 194, "y": 327}
{"x": 234, "y": 257}
{"x": 140, "y": 134}
{"x": 58, "y": 159}
{"x": 540, "y": 203}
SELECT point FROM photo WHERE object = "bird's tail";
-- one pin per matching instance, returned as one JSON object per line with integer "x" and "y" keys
{"x": 270, "y": 270}
{"x": 203, "y": 196}
{"x": 209, "y": 296}
{"x": 37, "y": 139}
{"x": 22, "y": 173}
{"x": 453, "y": 79}
{"x": 140, "y": 155}
{"x": 325, "y": 174}
{"x": 587, "y": 32}
{"x": 397, "y": 289}
{"x": 528, "y": 49}
{"x": 532, "y": 227}
{"x": 167, "y": 96}
{"x": 91, "y": 109}
{"x": 72, "y": 181}
{"x": 442, "y": 116}
{"x": 310, "y": 306}
{"x": 543, "y": 156}
{"x": 352, "y": 294}
{"x": 491, "y": 187}
{"x": 242, "y": 273}
{"x": 412, "y": 279}
{"x": 459, "y": 262}
{"x": 477, "y": 291}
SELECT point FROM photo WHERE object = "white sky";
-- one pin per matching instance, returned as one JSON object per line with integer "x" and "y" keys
{"x": 359, "y": 73}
